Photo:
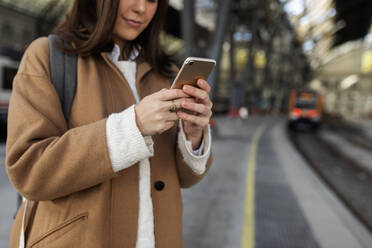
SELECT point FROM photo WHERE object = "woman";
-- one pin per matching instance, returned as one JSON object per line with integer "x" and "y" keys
{"x": 111, "y": 175}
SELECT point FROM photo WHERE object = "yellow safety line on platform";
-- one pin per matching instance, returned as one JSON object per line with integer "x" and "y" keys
{"x": 248, "y": 225}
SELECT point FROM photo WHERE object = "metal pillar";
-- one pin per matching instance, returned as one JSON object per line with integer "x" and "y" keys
{"x": 249, "y": 75}
{"x": 268, "y": 74}
{"x": 254, "y": 28}
{"x": 188, "y": 19}
{"x": 232, "y": 49}
{"x": 216, "y": 49}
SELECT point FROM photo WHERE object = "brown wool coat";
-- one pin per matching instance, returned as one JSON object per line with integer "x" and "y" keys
{"x": 66, "y": 166}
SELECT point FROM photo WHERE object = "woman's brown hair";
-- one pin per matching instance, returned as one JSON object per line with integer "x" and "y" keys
{"x": 89, "y": 26}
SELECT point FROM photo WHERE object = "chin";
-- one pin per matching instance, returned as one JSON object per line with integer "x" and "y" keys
{"x": 130, "y": 36}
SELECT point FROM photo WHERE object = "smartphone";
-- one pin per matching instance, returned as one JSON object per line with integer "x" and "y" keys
{"x": 193, "y": 69}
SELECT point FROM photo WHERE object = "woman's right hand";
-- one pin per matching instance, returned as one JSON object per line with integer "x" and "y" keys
{"x": 153, "y": 112}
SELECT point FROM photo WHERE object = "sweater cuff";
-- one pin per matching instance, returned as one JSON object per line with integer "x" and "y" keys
{"x": 125, "y": 142}
{"x": 196, "y": 163}
{"x": 198, "y": 151}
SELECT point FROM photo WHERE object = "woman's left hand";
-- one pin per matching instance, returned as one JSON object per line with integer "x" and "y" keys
{"x": 200, "y": 111}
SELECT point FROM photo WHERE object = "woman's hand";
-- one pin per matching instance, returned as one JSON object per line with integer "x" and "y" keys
{"x": 153, "y": 115}
{"x": 201, "y": 106}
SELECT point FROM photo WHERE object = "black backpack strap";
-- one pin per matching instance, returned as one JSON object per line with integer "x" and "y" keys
{"x": 63, "y": 74}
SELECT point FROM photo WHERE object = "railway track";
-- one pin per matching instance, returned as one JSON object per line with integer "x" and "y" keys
{"x": 356, "y": 137}
{"x": 351, "y": 182}
{"x": 351, "y": 133}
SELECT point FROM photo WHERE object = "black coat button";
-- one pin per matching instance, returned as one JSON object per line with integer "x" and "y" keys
{"x": 159, "y": 185}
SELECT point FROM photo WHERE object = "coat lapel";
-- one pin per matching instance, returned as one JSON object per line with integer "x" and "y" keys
{"x": 142, "y": 69}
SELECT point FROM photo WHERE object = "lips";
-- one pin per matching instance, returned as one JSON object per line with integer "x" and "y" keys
{"x": 133, "y": 23}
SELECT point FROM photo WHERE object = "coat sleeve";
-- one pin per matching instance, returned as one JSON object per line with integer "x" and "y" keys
{"x": 45, "y": 160}
{"x": 189, "y": 165}
{"x": 186, "y": 163}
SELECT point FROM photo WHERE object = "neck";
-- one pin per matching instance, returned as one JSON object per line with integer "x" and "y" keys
{"x": 122, "y": 45}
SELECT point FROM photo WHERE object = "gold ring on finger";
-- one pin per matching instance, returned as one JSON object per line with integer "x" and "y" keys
{"x": 173, "y": 108}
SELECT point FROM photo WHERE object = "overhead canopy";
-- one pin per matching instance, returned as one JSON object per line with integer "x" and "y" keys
{"x": 342, "y": 65}
{"x": 324, "y": 24}
{"x": 356, "y": 16}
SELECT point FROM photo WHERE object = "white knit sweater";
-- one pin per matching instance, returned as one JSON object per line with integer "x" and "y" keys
{"x": 127, "y": 146}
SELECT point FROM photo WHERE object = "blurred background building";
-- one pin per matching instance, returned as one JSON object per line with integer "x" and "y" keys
{"x": 23, "y": 21}
{"x": 265, "y": 48}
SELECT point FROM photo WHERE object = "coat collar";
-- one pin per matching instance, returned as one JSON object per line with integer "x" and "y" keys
{"x": 143, "y": 67}
{"x": 115, "y": 54}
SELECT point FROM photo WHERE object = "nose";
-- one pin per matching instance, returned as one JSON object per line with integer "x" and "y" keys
{"x": 139, "y": 6}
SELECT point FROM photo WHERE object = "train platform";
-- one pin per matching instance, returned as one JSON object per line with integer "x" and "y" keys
{"x": 260, "y": 192}
{"x": 308, "y": 201}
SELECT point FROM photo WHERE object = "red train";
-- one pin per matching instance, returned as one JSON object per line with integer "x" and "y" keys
{"x": 305, "y": 109}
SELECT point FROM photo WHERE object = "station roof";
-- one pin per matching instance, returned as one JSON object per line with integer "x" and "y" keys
{"x": 322, "y": 25}
{"x": 356, "y": 16}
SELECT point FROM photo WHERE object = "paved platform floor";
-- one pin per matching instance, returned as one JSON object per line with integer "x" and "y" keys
{"x": 330, "y": 222}
{"x": 8, "y": 202}
{"x": 293, "y": 208}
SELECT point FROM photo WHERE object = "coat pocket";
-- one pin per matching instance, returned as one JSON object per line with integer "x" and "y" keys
{"x": 67, "y": 234}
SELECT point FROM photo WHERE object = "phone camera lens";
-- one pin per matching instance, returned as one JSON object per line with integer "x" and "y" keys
{"x": 191, "y": 62}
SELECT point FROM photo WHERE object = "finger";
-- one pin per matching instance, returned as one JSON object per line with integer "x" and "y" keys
{"x": 207, "y": 102}
{"x": 204, "y": 85}
{"x": 171, "y": 94}
{"x": 197, "y": 107}
{"x": 168, "y": 105}
{"x": 190, "y": 99}
{"x": 200, "y": 121}
{"x": 171, "y": 106}
{"x": 196, "y": 92}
